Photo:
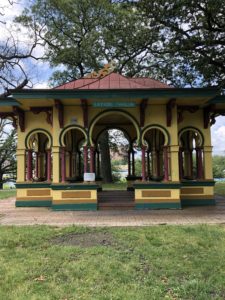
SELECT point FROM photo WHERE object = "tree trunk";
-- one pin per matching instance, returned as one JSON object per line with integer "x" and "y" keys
{"x": 1, "y": 182}
{"x": 106, "y": 171}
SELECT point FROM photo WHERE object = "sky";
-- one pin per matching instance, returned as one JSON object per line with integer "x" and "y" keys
{"x": 39, "y": 72}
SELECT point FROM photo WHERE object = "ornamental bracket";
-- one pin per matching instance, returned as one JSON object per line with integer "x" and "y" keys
{"x": 169, "y": 111}
{"x": 6, "y": 115}
{"x": 59, "y": 106}
{"x": 46, "y": 109}
{"x": 143, "y": 106}
{"x": 21, "y": 117}
{"x": 180, "y": 110}
{"x": 84, "y": 106}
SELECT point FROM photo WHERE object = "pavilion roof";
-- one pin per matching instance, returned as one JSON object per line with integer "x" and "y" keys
{"x": 113, "y": 81}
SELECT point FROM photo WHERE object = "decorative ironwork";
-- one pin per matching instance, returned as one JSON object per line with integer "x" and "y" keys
{"x": 107, "y": 69}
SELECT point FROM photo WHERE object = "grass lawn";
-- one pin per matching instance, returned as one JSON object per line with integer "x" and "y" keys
{"x": 7, "y": 193}
{"x": 114, "y": 186}
{"x": 220, "y": 188}
{"x": 163, "y": 262}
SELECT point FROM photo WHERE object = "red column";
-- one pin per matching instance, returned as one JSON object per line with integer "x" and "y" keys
{"x": 158, "y": 163}
{"x": 166, "y": 165}
{"x": 49, "y": 165}
{"x": 37, "y": 165}
{"x": 181, "y": 163}
{"x": 63, "y": 164}
{"x": 199, "y": 163}
{"x": 143, "y": 163}
{"x": 29, "y": 165}
{"x": 92, "y": 158}
{"x": 148, "y": 165}
{"x": 133, "y": 162}
{"x": 98, "y": 164}
{"x": 191, "y": 163}
{"x": 85, "y": 159}
{"x": 79, "y": 163}
{"x": 129, "y": 169}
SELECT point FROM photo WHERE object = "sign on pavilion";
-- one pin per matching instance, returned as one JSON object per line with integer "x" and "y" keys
{"x": 58, "y": 131}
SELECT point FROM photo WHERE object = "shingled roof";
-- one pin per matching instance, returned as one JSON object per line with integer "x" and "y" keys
{"x": 113, "y": 81}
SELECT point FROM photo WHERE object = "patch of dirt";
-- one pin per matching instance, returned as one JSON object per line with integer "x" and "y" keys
{"x": 88, "y": 239}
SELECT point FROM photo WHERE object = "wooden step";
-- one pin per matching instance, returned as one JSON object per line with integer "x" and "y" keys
{"x": 116, "y": 200}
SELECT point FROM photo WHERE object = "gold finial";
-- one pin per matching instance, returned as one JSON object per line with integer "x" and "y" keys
{"x": 107, "y": 69}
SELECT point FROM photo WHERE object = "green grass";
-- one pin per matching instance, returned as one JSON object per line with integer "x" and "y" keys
{"x": 114, "y": 186}
{"x": 220, "y": 188}
{"x": 4, "y": 194}
{"x": 164, "y": 262}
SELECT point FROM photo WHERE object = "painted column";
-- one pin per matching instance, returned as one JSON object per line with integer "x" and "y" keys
{"x": 49, "y": 165}
{"x": 56, "y": 164}
{"x": 166, "y": 165}
{"x": 129, "y": 163}
{"x": 21, "y": 165}
{"x": 174, "y": 154}
{"x": 208, "y": 173}
{"x": 92, "y": 157}
{"x": 29, "y": 164}
{"x": 70, "y": 164}
{"x": 154, "y": 163}
{"x": 133, "y": 162}
{"x": 79, "y": 163}
{"x": 98, "y": 164}
{"x": 181, "y": 173}
{"x": 37, "y": 165}
{"x": 63, "y": 164}
{"x": 143, "y": 150}
{"x": 148, "y": 164}
{"x": 85, "y": 159}
{"x": 199, "y": 163}
{"x": 158, "y": 163}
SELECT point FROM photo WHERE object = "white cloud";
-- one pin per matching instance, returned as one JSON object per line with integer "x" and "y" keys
{"x": 218, "y": 136}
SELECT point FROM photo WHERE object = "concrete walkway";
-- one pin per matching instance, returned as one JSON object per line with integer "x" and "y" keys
{"x": 10, "y": 215}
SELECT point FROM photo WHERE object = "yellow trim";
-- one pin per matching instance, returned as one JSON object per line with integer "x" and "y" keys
{"x": 74, "y": 201}
{"x": 149, "y": 127}
{"x": 157, "y": 200}
{"x": 64, "y": 131}
{"x": 33, "y": 198}
{"x": 35, "y": 132}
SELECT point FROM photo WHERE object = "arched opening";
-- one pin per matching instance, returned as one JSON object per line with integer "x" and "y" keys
{"x": 111, "y": 136}
{"x": 190, "y": 154}
{"x": 155, "y": 154}
{"x": 74, "y": 157}
{"x": 38, "y": 157}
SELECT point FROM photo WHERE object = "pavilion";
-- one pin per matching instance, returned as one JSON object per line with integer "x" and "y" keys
{"x": 58, "y": 131}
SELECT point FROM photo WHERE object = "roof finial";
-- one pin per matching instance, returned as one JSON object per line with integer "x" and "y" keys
{"x": 107, "y": 69}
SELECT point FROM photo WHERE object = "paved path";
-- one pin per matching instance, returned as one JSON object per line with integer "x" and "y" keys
{"x": 10, "y": 215}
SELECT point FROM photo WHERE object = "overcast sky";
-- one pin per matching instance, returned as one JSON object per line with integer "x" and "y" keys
{"x": 40, "y": 72}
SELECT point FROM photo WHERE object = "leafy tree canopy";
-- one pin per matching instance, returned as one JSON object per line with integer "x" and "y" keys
{"x": 181, "y": 41}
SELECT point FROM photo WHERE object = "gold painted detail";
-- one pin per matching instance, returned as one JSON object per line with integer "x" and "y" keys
{"x": 38, "y": 192}
{"x": 165, "y": 200}
{"x": 107, "y": 69}
{"x": 78, "y": 194}
{"x": 74, "y": 201}
{"x": 196, "y": 197}
{"x": 156, "y": 194}
{"x": 188, "y": 191}
{"x": 33, "y": 198}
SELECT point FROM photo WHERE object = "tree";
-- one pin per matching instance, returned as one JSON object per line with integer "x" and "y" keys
{"x": 192, "y": 36}
{"x": 7, "y": 152}
{"x": 14, "y": 56}
{"x": 218, "y": 166}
